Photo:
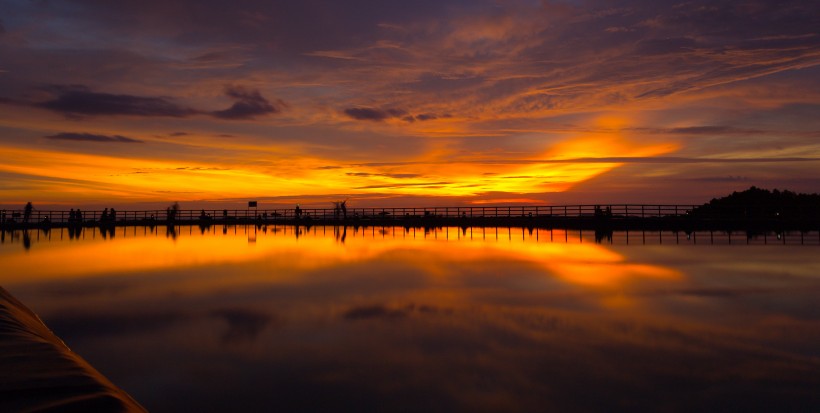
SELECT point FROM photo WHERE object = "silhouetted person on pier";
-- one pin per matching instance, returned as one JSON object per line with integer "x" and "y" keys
{"x": 202, "y": 215}
{"x": 27, "y": 212}
{"x": 298, "y": 211}
{"x": 343, "y": 206}
{"x": 224, "y": 214}
{"x": 113, "y": 216}
{"x": 78, "y": 216}
{"x": 171, "y": 213}
{"x": 104, "y": 216}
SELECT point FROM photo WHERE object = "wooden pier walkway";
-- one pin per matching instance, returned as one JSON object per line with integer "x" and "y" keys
{"x": 588, "y": 216}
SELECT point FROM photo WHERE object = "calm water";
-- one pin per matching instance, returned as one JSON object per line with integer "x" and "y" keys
{"x": 325, "y": 319}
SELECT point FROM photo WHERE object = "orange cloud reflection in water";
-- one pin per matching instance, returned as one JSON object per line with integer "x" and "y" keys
{"x": 279, "y": 254}
{"x": 416, "y": 309}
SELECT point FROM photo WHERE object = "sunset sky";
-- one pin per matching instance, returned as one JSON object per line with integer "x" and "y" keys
{"x": 393, "y": 103}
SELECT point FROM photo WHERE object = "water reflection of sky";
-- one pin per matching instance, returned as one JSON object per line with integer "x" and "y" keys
{"x": 394, "y": 319}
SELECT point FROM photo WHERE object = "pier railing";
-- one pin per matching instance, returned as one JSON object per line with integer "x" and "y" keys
{"x": 327, "y": 214}
{"x": 613, "y": 211}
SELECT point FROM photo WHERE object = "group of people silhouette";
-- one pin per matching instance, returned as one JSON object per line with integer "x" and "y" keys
{"x": 108, "y": 216}
{"x": 75, "y": 217}
{"x": 340, "y": 208}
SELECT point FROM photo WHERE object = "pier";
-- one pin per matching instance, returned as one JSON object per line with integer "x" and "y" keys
{"x": 587, "y": 216}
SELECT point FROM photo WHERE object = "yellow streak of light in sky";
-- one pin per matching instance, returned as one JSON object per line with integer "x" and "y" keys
{"x": 64, "y": 177}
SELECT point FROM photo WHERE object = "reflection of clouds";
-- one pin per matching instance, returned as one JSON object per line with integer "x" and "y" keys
{"x": 378, "y": 311}
{"x": 94, "y": 325}
{"x": 482, "y": 358}
{"x": 374, "y": 312}
{"x": 439, "y": 325}
{"x": 243, "y": 324}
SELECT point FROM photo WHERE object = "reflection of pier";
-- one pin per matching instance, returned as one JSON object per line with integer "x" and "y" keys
{"x": 612, "y": 217}
{"x": 350, "y": 233}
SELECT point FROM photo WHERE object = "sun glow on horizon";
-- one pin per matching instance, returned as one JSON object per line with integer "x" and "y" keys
{"x": 63, "y": 177}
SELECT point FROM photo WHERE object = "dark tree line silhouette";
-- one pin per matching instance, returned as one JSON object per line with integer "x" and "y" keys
{"x": 758, "y": 203}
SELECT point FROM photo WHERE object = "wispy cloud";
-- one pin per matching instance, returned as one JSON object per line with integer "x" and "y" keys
{"x": 90, "y": 137}
{"x": 79, "y": 101}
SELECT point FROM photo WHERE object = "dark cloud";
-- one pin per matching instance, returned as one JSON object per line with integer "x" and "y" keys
{"x": 426, "y": 116}
{"x": 201, "y": 168}
{"x": 374, "y": 114}
{"x": 699, "y": 130}
{"x": 415, "y": 184}
{"x": 90, "y": 137}
{"x": 397, "y": 176}
{"x": 729, "y": 178}
{"x": 704, "y": 130}
{"x": 403, "y": 176}
{"x": 79, "y": 101}
{"x": 248, "y": 104}
{"x": 364, "y": 113}
{"x": 175, "y": 134}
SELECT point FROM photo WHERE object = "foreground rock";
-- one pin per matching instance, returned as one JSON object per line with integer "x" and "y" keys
{"x": 39, "y": 373}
